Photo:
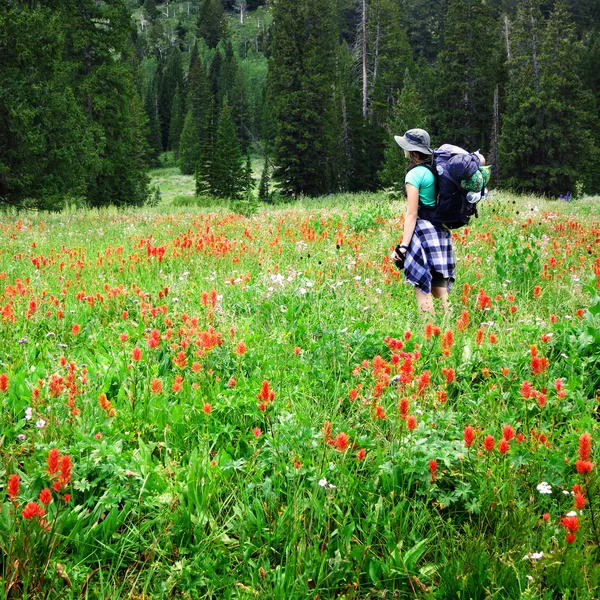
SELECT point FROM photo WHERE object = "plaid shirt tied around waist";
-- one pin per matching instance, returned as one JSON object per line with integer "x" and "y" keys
{"x": 430, "y": 250}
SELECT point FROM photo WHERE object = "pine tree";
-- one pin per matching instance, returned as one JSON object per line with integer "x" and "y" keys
{"x": 264, "y": 194}
{"x": 407, "y": 114}
{"x": 301, "y": 72}
{"x": 104, "y": 82}
{"x": 189, "y": 145}
{"x": 170, "y": 78}
{"x": 153, "y": 135}
{"x": 248, "y": 177}
{"x": 468, "y": 70}
{"x": 546, "y": 143}
{"x": 47, "y": 149}
{"x": 228, "y": 170}
{"x": 212, "y": 24}
{"x": 177, "y": 119}
{"x": 150, "y": 10}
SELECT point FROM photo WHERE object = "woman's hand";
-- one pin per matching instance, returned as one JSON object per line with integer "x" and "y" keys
{"x": 398, "y": 256}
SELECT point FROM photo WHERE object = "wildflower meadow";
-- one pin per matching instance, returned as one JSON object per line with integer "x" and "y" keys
{"x": 200, "y": 404}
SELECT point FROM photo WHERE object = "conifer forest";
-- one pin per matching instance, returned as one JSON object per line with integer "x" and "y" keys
{"x": 92, "y": 92}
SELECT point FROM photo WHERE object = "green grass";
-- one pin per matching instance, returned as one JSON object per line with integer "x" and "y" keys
{"x": 187, "y": 488}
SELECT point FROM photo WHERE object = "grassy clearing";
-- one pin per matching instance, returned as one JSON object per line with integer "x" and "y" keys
{"x": 252, "y": 406}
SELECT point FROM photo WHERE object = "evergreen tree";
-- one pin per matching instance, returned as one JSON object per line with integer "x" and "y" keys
{"x": 301, "y": 71}
{"x": 150, "y": 10}
{"x": 407, "y": 114}
{"x": 546, "y": 144}
{"x": 153, "y": 135}
{"x": 103, "y": 81}
{"x": 171, "y": 78}
{"x": 228, "y": 170}
{"x": 468, "y": 70}
{"x": 264, "y": 195}
{"x": 211, "y": 24}
{"x": 200, "y": 105}
{"x": 248, "y": 178}
{"x": 189, "y": 145}
{"x": 177, "y": 119}
{"x": 47, "y": 148}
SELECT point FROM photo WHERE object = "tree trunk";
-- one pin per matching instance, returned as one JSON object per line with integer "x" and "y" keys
{"x": 493, "y": 154}
{"x": 534, "y": 61}
{"x": 507, "y": 37}
{"x": 364, "y": 56}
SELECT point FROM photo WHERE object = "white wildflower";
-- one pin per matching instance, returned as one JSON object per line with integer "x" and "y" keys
{"x": 544, "y": 488}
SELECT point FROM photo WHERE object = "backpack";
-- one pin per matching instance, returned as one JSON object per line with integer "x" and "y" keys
{"x": 452, "y": 209}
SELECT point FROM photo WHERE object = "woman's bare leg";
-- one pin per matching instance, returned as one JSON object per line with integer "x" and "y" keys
{"x": 425, "y": 302}
{"x": 442, "y": 294}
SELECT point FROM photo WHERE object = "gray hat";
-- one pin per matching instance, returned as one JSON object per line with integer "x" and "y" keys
{"x": 416, "y": 140}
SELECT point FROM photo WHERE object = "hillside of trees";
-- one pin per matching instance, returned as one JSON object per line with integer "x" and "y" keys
{"x": 93, "y": 92}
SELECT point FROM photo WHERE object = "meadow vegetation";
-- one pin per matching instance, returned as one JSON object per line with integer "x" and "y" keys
{"x": 198, "y": 404}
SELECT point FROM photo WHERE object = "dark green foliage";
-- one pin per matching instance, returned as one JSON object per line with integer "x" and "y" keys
{"x": 177, "y": 119}
{"x": 264, "y": 195}
{"x": 229, "y": 176}
{"x": 211, "y": 24}
{"x": 425, "y": 21}
{"x": 468, "y": 70}
{"x": 407, "y": 114}
{"x": 189, "y": 145}
{"x": 170, "y": 78}
{"x": 153, "y": 135}
{"x": 46, "y": 146}
{"x": 301, "y": 71}
{"x": 150, "y": 10}
{"x": 390, "y": 55}
{"x": 546, "y": 143}
{"x": 249, "y": 182}
{"x": 72, "y": 121}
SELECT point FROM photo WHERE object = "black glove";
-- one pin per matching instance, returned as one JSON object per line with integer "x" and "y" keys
{"x": 399, "y": 257}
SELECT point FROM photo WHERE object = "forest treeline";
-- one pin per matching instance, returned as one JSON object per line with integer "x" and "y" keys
{"x": 93, "y": 92}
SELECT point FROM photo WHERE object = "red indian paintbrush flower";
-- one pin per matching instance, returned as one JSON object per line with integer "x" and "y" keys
{"x": 403, "y": 407}
{"x": 341, "y": 441}
{"x": 136, "y": 354}
{"x": 584, "y": 467}
{"x": 52, "y": 460}
{"x": 580, "y": 501}
{"x": 13, "y": 486}
{"x": 45, "y": 496}
{"x": 488, "y": 443}
{"x": 33, "y": 510}
{"x": 585, "y": 446}
{"x": 411, "y": 423}
{"x": 526, "y": 389}
{"x": 207, "y": 408}
{"x": 469, "y": 436}
{"x": 571, "y": 523}
{"x": 503, "y": 446}
{"x": 447, "y": 342}
{"x": 508, "y": 433}
{"x": 265, "y": 393}
{"x": 3, "y": 382}
{"x": 433, "y": 469}
{"x": 241, "y": 348}
{"x": 65, "y": 469}
{"x": 156, "y": 386}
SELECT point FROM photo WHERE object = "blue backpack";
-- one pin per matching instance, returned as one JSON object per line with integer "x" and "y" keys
{"x": 452, "y": 209}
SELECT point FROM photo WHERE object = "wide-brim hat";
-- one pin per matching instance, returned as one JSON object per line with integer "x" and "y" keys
{"x": 416, "y": 140}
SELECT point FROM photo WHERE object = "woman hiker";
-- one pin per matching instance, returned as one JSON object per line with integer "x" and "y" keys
{"x": 425, "y": 252}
